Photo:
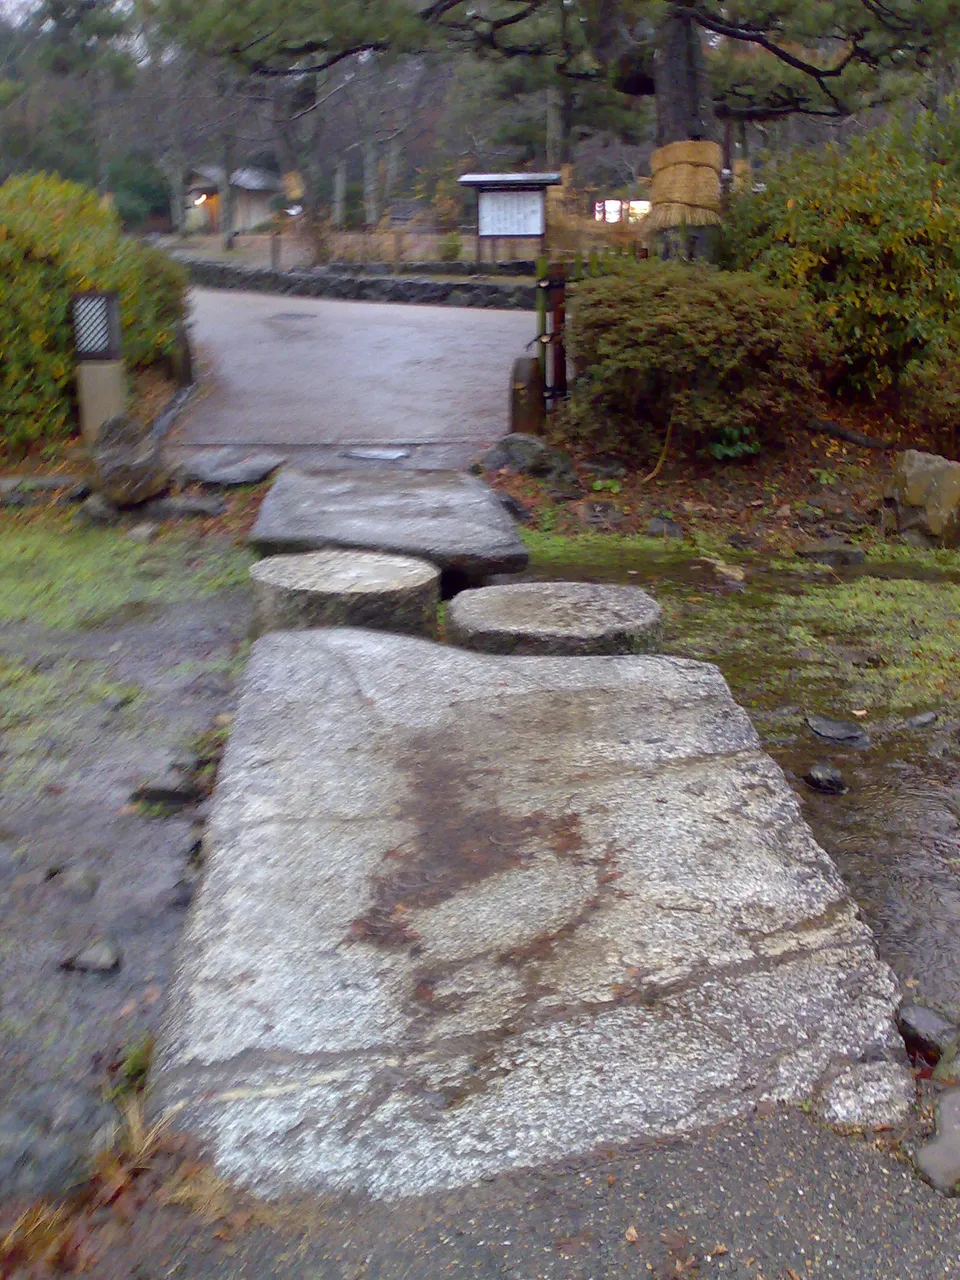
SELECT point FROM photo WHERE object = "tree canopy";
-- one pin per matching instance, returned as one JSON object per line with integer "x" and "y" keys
{"x": 766, "y": 58}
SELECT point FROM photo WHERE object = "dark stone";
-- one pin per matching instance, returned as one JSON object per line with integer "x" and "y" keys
{"x": 527, "y": 455}
{"x": 661, "y": 527}
{"x": 102, "y": 955}
{"x": 516, "y": 509}
{"x": 173, "y": 788}
{"x": 128, "y": 463}
{"x": 605, "y": 468}
{"x": 838, "y": 730}
{"x": 923, "y": 721}
{"x": 185, "y": 507}
{"x": 96, "y": 510}
{"x": 601, "y": 515}
{"x": 832, "y": 551}
{"x": 742, "y": 541}
{"x": 181, "y": 895}
{"x": 926, "y": 1030}
{"x": 75, "y": 494}
{"x": 917, "y": 538}
{"x": 226, "y": 468}
{"x": 826, "y": 779}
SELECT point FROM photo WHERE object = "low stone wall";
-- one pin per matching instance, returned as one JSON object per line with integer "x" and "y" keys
{"x": 320, "y": 283}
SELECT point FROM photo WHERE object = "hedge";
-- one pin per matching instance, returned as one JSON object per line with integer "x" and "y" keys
{"x": 56, "y": 240}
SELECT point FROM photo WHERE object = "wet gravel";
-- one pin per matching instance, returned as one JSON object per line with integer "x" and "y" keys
{"x": 92, "y": 890}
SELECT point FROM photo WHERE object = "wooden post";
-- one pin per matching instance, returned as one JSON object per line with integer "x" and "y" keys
{"x": 542, "y": 316}
{"x": 558, "y": 311}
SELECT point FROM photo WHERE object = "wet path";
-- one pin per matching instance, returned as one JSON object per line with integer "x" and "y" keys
{"x": 313, "y": 377}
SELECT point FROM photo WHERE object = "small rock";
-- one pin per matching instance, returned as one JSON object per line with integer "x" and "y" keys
{"x": 661, "y": 527}
{"x": 605, "y": 468}
{"x": 96, "y": 510}
{"x": 102, "y": 955}
{"x": 528, "y": 455}
{"x": 145, "y": 531}
{"x": 926, "y": 1030}
{"x": 174, "y": 787}
{"x": 225, "y": 469}
{"x": 128, "y": 463}
{"x": 832, "y": 551}
{"x": 939, "y": 1160}
{"x": 601, "y": 515}
{"x": 742, "y": 541}
{"x": 870, "y": 1096}
{"x": 826, "y": 779}
{"x": 515, "y": 509}
{"x": 15, "y": 498}
{"x": 918, "y": 539}
{"x": 78, "y": 883}
{"x": 923, "y": 721}
{"x": 185, "y": 507}
{"x": 76, "y": 493}
{"x": 838, "y": 730}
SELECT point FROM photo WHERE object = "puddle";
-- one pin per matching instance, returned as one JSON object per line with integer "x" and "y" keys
{"x": 895, "y": 835}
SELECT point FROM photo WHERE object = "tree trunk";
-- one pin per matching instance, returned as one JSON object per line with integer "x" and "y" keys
{"x": 371, "y": 204}
{"x": 555, "y": 155}
{"x": 684, "y": 113}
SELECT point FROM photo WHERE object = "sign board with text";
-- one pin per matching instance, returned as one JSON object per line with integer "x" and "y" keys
{"x": 511, "y": 213}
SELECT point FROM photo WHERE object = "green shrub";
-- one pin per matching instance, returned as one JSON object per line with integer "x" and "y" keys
{"x": 721, "y": 356}
{"x": 56, "y": 240}
{"x": 872, "y": 234}
{"x": 451, "y": 246}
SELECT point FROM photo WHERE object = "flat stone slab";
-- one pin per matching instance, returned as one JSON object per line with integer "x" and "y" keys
{"x": 454, "y": 520}
{"x": 346, "y": 588}
{"x": 227, "y": 468}
{"x": 559, "y": 618}
{"x": 463, "y": 914}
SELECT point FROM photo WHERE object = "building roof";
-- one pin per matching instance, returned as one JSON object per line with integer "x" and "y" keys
{"x": 243, "y": 179}
{"x": 508, "y": 180}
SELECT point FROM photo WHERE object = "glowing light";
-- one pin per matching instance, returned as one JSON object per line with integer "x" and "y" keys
{"x": 200, "y": 200}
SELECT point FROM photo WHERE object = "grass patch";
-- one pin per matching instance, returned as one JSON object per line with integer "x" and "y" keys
{"x": 60, "y": 576}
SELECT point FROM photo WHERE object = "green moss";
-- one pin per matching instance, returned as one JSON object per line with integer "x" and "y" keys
{"x": 885, "y": 644}
{"x": 56, "y": 575}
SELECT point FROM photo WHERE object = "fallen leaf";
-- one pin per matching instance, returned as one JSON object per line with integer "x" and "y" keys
{"x": 611, "y": 1180}
{"x": 720, "y": 1251}
{"x": 631, "y": 1235}
{"x": 791, "y": 1274}
{"x": 860, "y": 714}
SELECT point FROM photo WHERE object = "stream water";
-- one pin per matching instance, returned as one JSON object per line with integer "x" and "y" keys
{"x": 895, "y": 834}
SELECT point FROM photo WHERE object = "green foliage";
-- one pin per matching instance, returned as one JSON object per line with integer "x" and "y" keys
{"x": 872, "y": 235}
{"x": 55, "y": 240}
{"x": 451, "y": 247}
{"x": 720, "y": 357}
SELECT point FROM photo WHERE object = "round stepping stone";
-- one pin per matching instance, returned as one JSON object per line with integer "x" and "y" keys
{"x": 346, "y": 589}
{"x": 555, "y": 618}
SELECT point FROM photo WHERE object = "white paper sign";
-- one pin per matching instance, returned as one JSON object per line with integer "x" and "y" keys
{"x": 511, "y": 213}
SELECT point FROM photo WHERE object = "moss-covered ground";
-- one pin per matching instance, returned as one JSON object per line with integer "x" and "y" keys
{"x": 882, "y": 638}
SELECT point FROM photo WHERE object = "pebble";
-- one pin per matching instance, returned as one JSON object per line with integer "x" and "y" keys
{"x": 145, "y": 531}
{"x": 78, "y": 883}
{"x": 660, "y": 527}
{"x": 826, "y": 779}
{"x": 102, "y": 955}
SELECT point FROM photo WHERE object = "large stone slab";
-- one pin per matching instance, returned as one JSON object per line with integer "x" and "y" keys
{"x": 464, "y": 913}
{"x": 452, "y": 519}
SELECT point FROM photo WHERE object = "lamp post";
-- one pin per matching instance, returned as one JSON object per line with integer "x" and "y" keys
{"x": 101, "y": 391}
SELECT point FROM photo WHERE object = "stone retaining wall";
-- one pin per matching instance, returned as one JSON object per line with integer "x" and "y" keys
{"x": 322, "y": 283}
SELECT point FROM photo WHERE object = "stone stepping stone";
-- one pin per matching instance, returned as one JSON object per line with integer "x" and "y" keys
{"x": 561, "y": 618}
{"x": 228, "y": 468}
{"x": 345, "y": 589}
{"x": 465, "y": 914}
{"x": 453, "y": 520}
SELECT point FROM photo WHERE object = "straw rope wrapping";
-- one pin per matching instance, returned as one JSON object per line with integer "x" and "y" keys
{"x": 686, "y": 186}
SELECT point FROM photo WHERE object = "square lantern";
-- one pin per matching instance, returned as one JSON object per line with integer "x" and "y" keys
{"x": 96, "y": 326}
